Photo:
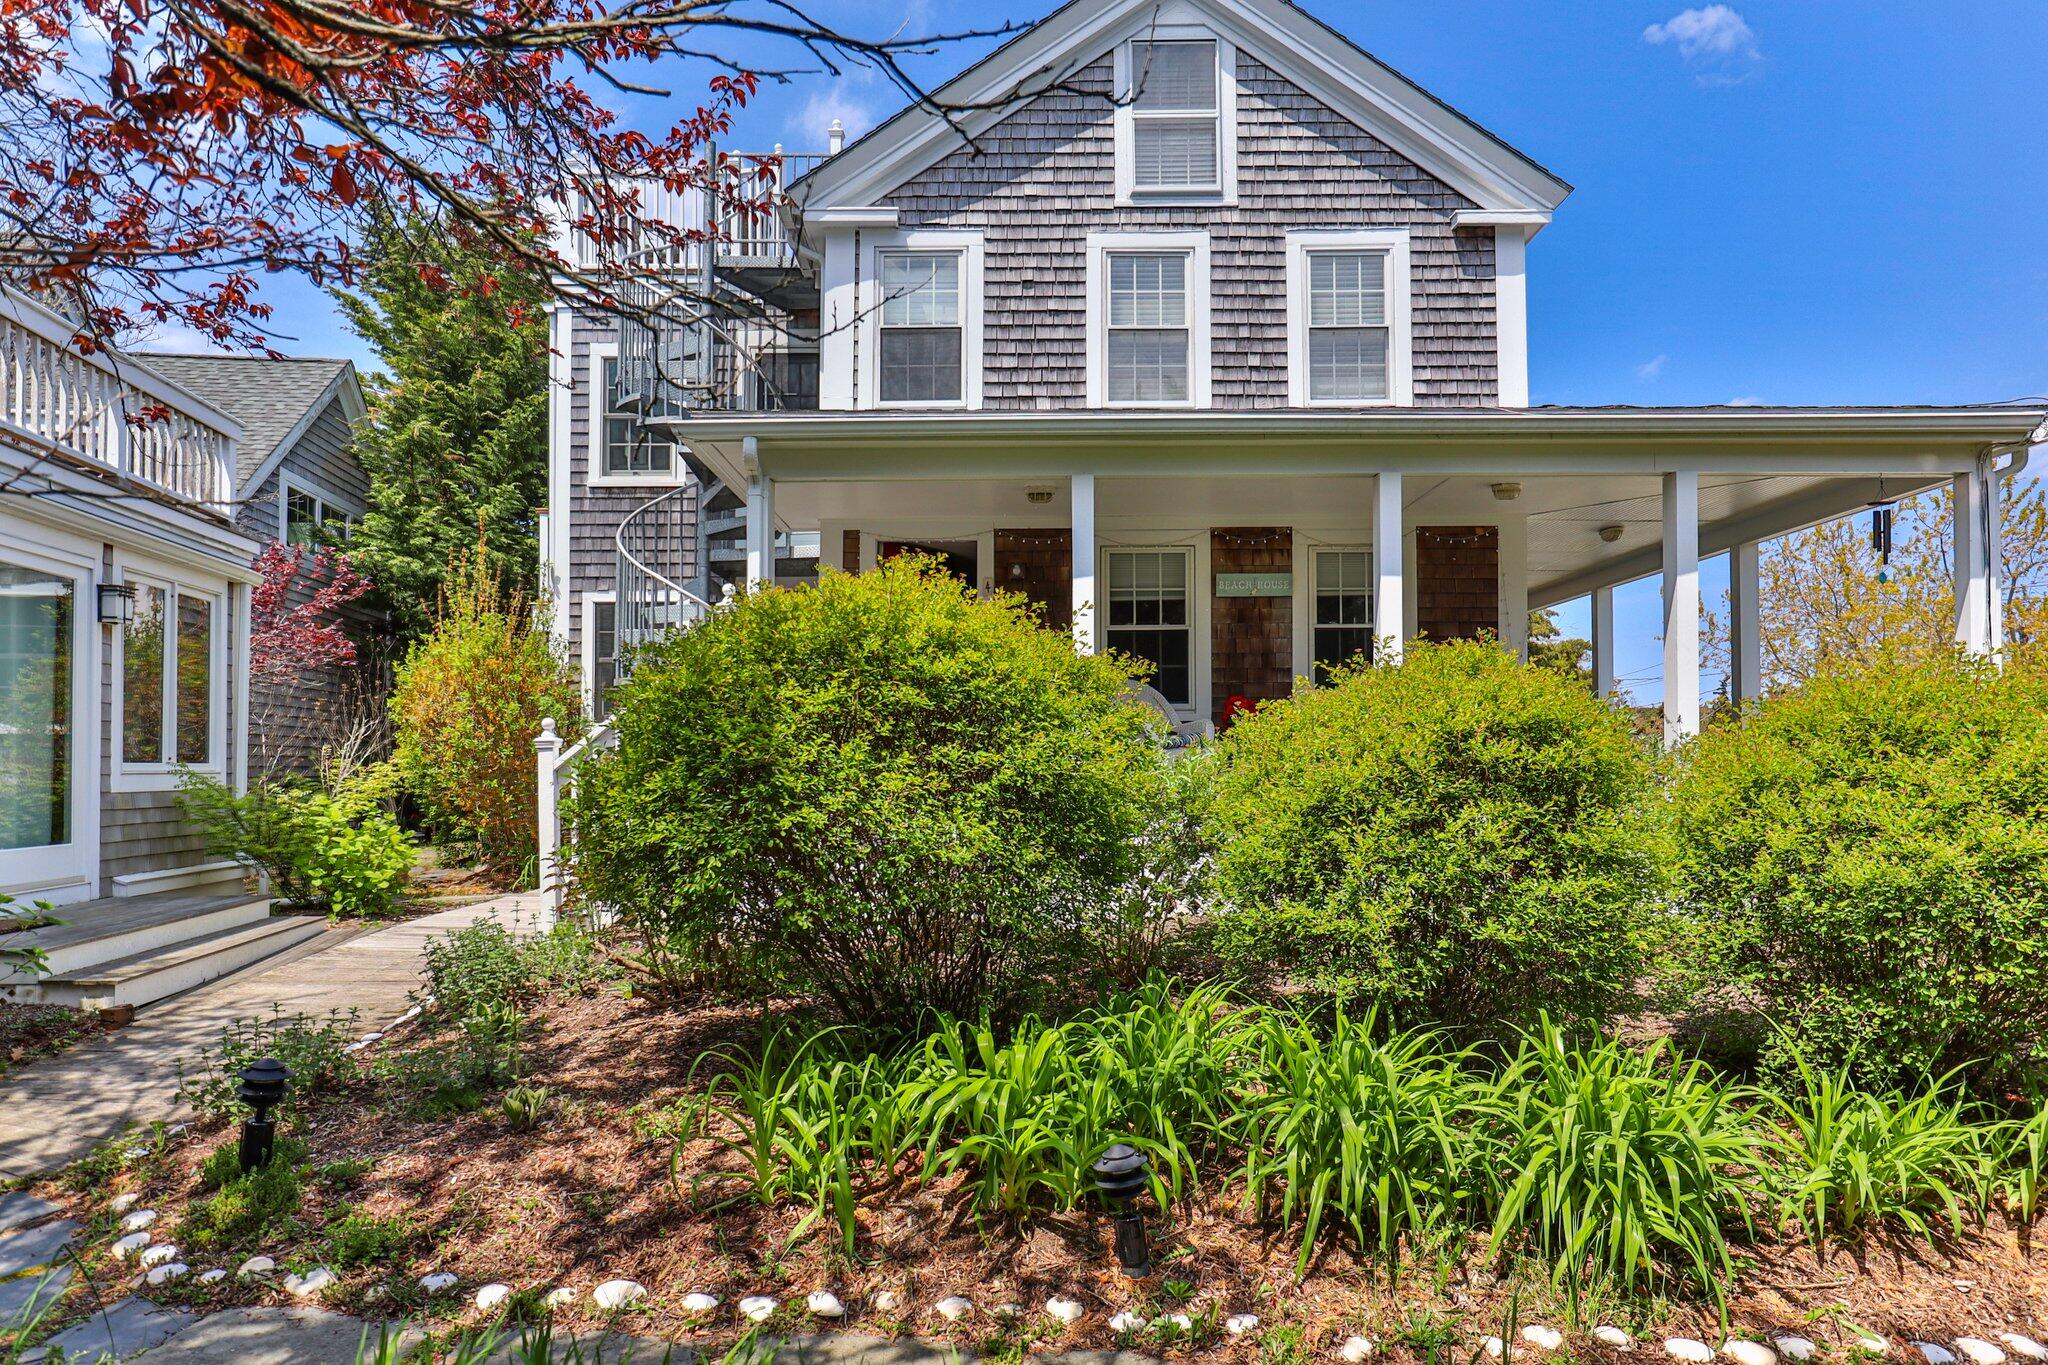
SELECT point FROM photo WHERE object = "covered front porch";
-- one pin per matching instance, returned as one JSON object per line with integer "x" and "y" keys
{"x": 1245, "y": 553}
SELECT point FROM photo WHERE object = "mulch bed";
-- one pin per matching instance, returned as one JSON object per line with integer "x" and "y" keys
{"x": 31, "y": 1031}
{"x": 588, "y": 1196}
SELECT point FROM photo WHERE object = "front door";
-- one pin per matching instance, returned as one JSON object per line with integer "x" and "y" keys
{"x": 46, "y": 624}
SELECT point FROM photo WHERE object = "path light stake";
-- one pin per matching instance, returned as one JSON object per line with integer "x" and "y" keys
{"x": 1121, "y": 1174}
{"x": 262, "y": 1089}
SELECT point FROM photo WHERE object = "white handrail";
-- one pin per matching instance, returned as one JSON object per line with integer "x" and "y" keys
{"x": 557, "y": 774}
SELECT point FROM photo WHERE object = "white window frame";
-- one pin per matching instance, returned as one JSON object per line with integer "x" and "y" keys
{"x": 140, "y": 777}
{"x": 1225, "y": 190}
{"x": 1103, "y": 245}
{"x": 68, "y": 871}
{"x": 1197, "y": 627}
{"x": 1307, "y": 555}
{"x": 1400, "y": 321}
{"x": 597, "y": 445}
{"x": 874, "y": 246}
{"x": 591, "y": 602}
{"x": 327, "y": 504}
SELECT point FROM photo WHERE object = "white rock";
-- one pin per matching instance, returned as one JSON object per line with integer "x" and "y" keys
{"x": 825, "y": 1304}
{"x": 886, "y": 1300}
{"x": 1066, "y": 1311}
{"x": 1007, "y": 1312}
{"x": 164, "y": 1274}
{"x": 2024, "y": 1346}
{"x": 1495, "y": 1348}
{"x": 1934, "y": 1353}
{"x": 176, "y": 1130}
{"x": 1549, "y": 1338}
{"x": 129, "y": 1245}
{"x": 560, "y": 1297}
{"x": 311, "y": 1283}
{"x": 953, "y": 1308}
{"x": 438, "y": 1281}
{"x": 1871, "y": 1343}
{"x": 1179, "y": 1322}
{"x": 213, "y": 1276}
{"x": 1237, "y": 1324}
{"x": 1607, "y": 1334}
{"x": 758, "y": 1307}
{"x": 121, "y": 1203}
{"x": 1796, "y": 1347}
{"x": 159, "y": 1254}
{"x": 613, "y": 1295}
{"x": 1686, "y": 1349}
{"x": 1355, "y": 1349}
{"x": 1980, "y": 1351}
{"x": 1749, "y": 1353}
{"x": 1126, "y": 1321}
{"x": 254, "y": 1266}
{"x": 699, "y": 1304}
{"x": 138, "y": 1220}
{"x": 492, "y": 1295}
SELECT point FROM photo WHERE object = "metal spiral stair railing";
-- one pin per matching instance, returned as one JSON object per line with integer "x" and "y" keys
{"x": 657, "y": 547}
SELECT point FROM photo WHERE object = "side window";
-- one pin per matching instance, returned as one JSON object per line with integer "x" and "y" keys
{"x": 169, "y": 685}
{"x": 1148, "y": 616}
{"x": 921, "y": 335}
{"x": 629, "y": 448}
{"x": 1343, "y": 613}
{"x": 604, "y": 656}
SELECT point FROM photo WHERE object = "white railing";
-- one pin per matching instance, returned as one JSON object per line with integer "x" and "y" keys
{"x": 557, "y": 774}
{"x": 753, "y": 190}
{"x": 106, "y": 411}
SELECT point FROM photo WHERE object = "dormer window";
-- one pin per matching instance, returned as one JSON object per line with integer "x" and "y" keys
{"x": 1176, "y": 135}
{"x": 1348, "y": 327}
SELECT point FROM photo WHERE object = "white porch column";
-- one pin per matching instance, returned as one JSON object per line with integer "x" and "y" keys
{"x": 760, "y": 529}
{"x": 1681, "y": 607}
{"x": 1745, "y": 641}
{"x": 1980, "y": 607}
{"x": 1390, "y": 627}
{"x": 1082, "y": 498}
{"x": 1603, "y": 642}
{"x": 1514, "y": 586}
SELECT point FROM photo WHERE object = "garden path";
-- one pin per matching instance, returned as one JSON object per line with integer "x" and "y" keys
{"x": 54, "y": 1111}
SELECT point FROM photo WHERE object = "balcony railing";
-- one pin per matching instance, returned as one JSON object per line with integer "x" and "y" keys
{"x": 678, "y": 353}
{"x": 106, "y": 412}
{"x": 748, "y": 179}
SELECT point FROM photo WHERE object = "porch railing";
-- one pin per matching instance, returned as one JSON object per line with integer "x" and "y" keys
{"x": 754, "y": 178}
{"x": 106, "y": 411}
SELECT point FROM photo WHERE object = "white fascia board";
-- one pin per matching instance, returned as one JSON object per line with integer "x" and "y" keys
{"x": 1530, "y": 221}
{"x": 1345, "y": 77}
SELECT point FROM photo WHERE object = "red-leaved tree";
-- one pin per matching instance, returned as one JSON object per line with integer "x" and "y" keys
{"x": 295, "y": 612}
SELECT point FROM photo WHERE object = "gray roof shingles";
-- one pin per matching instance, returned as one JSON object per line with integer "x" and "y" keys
{"x": 267, "y": 397}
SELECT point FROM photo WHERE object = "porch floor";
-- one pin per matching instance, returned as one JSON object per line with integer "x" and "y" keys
{"x": 118, "y": 916}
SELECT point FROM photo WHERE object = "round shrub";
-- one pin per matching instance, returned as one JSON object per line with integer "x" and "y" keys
{"x": 1868, "y": 856}
{"x": 882, "y": 791}
{"x": 1461, "y": 837}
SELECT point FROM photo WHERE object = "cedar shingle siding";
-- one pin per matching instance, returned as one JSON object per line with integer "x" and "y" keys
{"x": 1044, "y": 177}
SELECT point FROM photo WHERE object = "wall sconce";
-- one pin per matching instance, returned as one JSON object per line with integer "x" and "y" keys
{"x": 117, "y": 604}
{"x": 1038, "y": 497}
{"x": 1016, "y": 571}
{"x": 1507, "y": 492}
{"x": 1610, "y": 534}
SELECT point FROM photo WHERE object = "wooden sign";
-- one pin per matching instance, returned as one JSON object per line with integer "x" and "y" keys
{"x": 1255, "y": 585}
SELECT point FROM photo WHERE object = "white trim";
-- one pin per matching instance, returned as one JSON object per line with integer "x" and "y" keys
{"x": 1512, "y": 585}
{"x": 57, "y": 872}
{"x": 597, "y": 422}
{"x": 1100, "y": 246}
{"x": 1511, "y": 314}
{"x": 587, "y": 655}
{"x": 1392, "y": 546}
{"x": 1745, "y": 643}
{"x": 867, "y": 381}
{"x": 1306, "y": 549}
{"x": 554, "y": 552}
{"x": 853, "y": 215}
{"x": 1681, "y": 546}
{"x": 1224, "y": 192}
{"x": 124, "y": 776}
{"x": 1400, "y": 322}
{"x": 290, "y": 481}
{"x": 1531, "y": 221}
{"x": 176, "y": 878}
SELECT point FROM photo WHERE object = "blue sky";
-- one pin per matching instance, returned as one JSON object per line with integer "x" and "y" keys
{"x": 1802, "y": 201}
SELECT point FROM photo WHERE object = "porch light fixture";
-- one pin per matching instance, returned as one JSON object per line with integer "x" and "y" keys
{"x": 117, "y": 604}
{"x": 1038, "y": 497}
{"x": 1016, "y": 571}
{"x": 1121, "y": 1175}
{"x": 1507, "y": 492}
{"x": 263, "y": 1088}
{"x": 1611, "y": 533}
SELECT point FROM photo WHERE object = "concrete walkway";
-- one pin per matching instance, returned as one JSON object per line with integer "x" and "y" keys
{"x": 54, "y": 1111}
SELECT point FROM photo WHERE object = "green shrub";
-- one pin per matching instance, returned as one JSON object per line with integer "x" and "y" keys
{"x": 356, "y": 1239}
{"x": 311, "y": 1048}
{"x": 467, "y": 705}
{"x": 317, "y": 849}
{"x": 242, "y": 1206}
{"x": 884, "y": 791}
{"x": 1868, "y": 857}
{"x": 1460, "y": 838}
{"x": 476, "y": 966}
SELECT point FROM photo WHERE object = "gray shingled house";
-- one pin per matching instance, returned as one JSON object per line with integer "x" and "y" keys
{"x": 297, "y": 480}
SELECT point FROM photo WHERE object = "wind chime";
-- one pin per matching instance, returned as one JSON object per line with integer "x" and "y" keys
{"x": 1883, "y": 513}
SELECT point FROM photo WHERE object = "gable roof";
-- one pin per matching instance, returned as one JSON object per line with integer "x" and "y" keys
{"x": 1281, "y": 35}
{"x": 273, "y": 400}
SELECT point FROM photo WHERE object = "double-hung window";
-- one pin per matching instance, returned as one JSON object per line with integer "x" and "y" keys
{"x": 631, "y": 450}
{"x": 1148, "y": 616}
{"x": 311, "y": 518}
{"x": 1176, "y": 116}
{"x": 922, "y": 340}
{"x": 170, "y": 682}
{"x": 1343, "y": 613}
{"x": 604, "y": 656}
{"x": 1148, "y": 327}
{"x": 1347, "y": 318}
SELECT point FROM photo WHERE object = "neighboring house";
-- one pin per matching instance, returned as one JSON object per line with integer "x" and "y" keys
{"x": 297, "y": 480}
{"x": 124, "y": 629}
{"x": 1218, "y": 350}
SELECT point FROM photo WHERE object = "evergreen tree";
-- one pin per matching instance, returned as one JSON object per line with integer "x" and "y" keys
{"x": 458, "y": 444}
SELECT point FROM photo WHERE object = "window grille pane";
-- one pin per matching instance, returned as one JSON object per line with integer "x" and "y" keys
{"x": 1148, "y": 367}
{"x": 1174, "y": 76}
{"x": 920, "y": 365}
{"x": 921, "y": 290}
{"x": 1347, "y": 363}
{"x": 142, "y": 679}
{"x": 1347, "y": 289}
{"x": 1148, "y": 290}
{"x": 301, "y": 518}
{"x": 195, "y": 678}
{"x": 1167, "y": 153}
{"x": 630, "y": 448}
{"x": 604, "y": 651}
{"x": 1148, "y": 613}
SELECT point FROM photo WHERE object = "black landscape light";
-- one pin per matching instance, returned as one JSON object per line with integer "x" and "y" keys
{"x": 262, "y": 1089}
{"x": 1121, "y": 1174}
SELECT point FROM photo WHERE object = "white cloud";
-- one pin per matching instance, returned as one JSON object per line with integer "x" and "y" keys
{"x": 812, "y": 124}
{"x": 1715, "y": 41}
{"x": 1651, "y": 368}
{"x": 177, "y": 338}
{"x": 1749, "y": 402}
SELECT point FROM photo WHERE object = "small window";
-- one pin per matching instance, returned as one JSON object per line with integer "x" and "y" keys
{"x": 1148, "y": 327}
{"x": 1343, "y": 617}
{"x": 301, "y": 517}
{"x": 921, "y": 338}
{"x": 1176, "y": 116}
{"x": 604, "y": 656}
{"x": 1148, "y": 616}
{"x": 168, "y": 701}
{"x": 630, "y": 448}
{"x": 1347, "y": 326}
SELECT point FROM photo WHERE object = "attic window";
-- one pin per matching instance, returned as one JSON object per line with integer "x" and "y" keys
{"x": 1175, "y": 123}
